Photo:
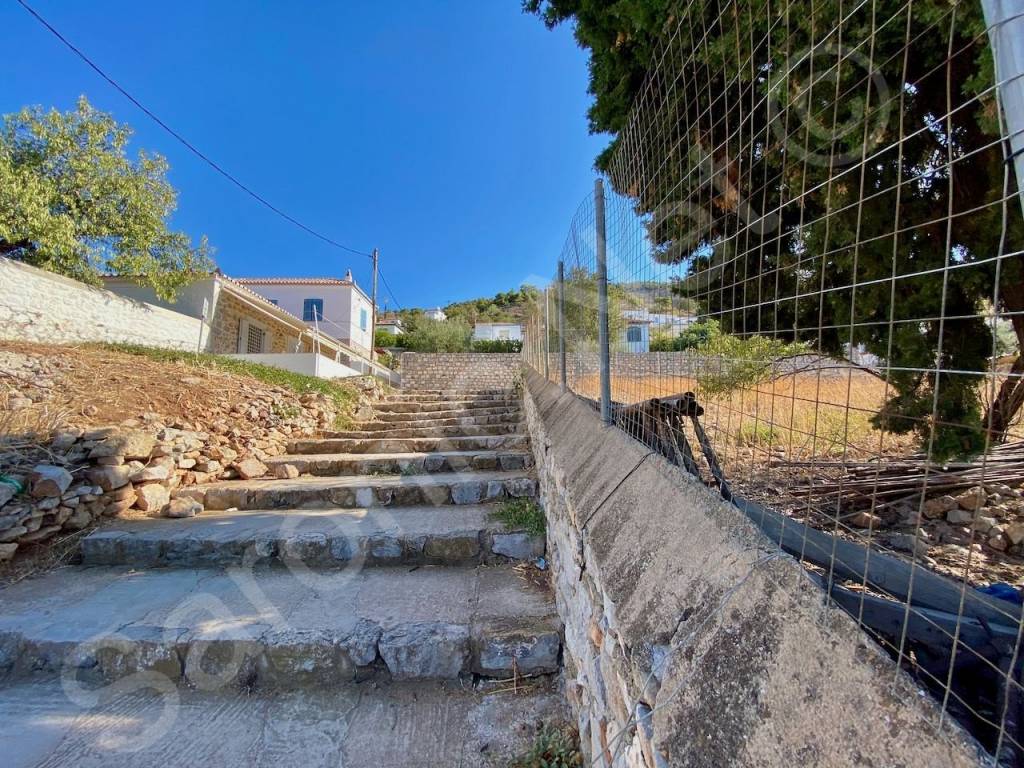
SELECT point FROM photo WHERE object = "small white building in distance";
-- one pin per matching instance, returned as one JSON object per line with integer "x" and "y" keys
{"x": 498, "y": 332}
{"x": 336, "y": 306}
{"x": 392, "y": 325}
{"x": 435, "y": 314}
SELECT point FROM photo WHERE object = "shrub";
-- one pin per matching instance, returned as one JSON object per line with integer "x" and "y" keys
{"x": 734, "y": 362}
{"x": 438, "y": 336}
{"x": 386, "y": 339}
{"x": 497, "y": 345}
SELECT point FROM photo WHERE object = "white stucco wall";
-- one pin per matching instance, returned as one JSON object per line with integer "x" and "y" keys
{"x": 41, "y": 306}
{"x": 308, "y": 363}
{"x": 493, "y": 331}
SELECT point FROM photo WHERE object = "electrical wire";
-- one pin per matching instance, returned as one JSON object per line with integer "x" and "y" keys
{"x": 188, "y": 145}
{"x": 391, "y": 293}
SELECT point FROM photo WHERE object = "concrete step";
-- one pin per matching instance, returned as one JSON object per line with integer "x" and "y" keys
{"x": 455, "y": 430}
{"x": 278, "y": 628}
{"x": 329, "y": 538}
{"x": 369, "y": 444}
{"x": 412, "y": 725}
{"x": 365, "y": 491}
{"x": 416, "y": 406}
{"x": 456, "y": 413}
{"x": 403, "y": 463}
{"x": 505, "y": 417}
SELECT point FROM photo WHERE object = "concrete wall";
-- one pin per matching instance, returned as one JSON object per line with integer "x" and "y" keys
{"x": 459, "y": 370}
{"x": 307, "y": 363}
{"x": 41, "y": 306}
{"x": 690, "y": 640}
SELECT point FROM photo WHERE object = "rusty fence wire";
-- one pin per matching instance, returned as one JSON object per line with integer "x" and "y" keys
{"x": 814, "y": 246}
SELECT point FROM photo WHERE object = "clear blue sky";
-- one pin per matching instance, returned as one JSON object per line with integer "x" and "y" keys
{"x": 451, "y": 134}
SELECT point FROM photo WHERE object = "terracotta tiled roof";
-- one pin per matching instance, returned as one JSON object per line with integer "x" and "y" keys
{"x": 291, "y": 281}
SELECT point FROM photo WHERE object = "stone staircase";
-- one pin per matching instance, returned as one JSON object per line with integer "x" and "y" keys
{"x": 381, "y": 564}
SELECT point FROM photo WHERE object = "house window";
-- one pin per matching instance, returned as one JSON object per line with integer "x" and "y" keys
{"x": 362, "y": 319}
{"x": 504, "y": 334}
{"x": 312, "y": 309}
{"x": 634, "y": 335}
{"x": 252, "y": 338}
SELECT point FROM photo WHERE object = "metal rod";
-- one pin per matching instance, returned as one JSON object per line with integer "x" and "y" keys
{"x": 602, "y": 304}
{"x": 547, "y": 335}
{"x": 1005, "y": 20}
{"x": 373, "y": 301}
{"x": 561, "y": 322}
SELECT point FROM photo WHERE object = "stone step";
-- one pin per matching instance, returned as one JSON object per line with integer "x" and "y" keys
{"x": 412, "y": 725}
{"x": 403, "y": 463}
{"x": 278, "y": 628}
{"x": 455, "y": 430}
{"x": 505, "y": 417}
{"x": 369, "y": 444}
{"x": 321, "y": 539}
{"x": 428, "y": 395}
{"x": 457, "y": 413}
{"x": 364, "y": 491}
{"x": 416, "y": 406}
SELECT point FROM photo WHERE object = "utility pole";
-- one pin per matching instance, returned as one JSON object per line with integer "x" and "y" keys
{"x": 373, "y": 322}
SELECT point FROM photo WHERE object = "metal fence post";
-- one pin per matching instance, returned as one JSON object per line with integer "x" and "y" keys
{"x": 547, "y": 335}
{"x": 1005, "y": 20}
{"x": 602, "y": 304}
{"x": 561, "y": 322}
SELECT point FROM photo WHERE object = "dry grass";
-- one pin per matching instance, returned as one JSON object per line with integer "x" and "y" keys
{"x": 805, "y": 415}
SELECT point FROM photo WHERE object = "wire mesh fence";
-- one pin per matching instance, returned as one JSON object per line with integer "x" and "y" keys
{"x": 815, "y": 303}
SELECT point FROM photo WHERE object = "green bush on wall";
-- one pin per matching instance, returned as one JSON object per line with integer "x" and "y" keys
{"x": 497, "y": 345}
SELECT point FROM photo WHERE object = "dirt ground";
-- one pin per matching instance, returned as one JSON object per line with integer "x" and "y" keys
{"x": 86, "y": 386}
{"x": 810, "y": 417}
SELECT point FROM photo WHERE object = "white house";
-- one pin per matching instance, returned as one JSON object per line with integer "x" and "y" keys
{"x": 497, "y": 332}
{"x": 237, "y": 321}
{"x": 435, "y": 314}
{"x": 335, "y": 306}
{"x": 391, "y": 325}
{"x": 636, "y": 337}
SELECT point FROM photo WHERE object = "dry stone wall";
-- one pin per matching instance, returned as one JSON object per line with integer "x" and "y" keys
{"x": 690, "y": 639}
{"x": 40, "y": 306}
{"x": 460, "y": 370}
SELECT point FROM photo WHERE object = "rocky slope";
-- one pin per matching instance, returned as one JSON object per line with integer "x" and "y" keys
{"x": 90, "y": 433}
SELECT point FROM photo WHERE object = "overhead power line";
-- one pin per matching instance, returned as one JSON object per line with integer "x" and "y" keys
{"x": 390, "y": 292}
{"x": 191, "y": 147}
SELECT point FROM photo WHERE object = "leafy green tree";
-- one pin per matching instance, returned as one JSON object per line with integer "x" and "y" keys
{"x": 386, "y": 339}
{"x": 581, "y": 305}
{"x": 73, "y": 202}
{"x": 438, "y": 336}
{"x": 834, "y": 229}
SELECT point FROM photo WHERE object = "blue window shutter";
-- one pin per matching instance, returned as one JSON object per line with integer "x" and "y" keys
{"x": 362, "y": 319}
{"x": 312, "y": 309}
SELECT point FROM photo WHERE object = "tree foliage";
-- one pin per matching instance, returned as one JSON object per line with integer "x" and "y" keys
{"x": 437, "y": 336}
{"x": 836, "y": 228}
{"x": 503, "y": 307}
{"x": 581, "y": 311}
{"x": 73, "y": 202}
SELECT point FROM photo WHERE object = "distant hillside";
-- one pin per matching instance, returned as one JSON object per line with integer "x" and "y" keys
{"x": 508, "y": 307}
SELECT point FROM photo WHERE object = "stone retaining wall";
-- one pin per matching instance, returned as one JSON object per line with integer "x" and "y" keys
{"x": 460, "y": 370}
{"x": 690, "y": 639}
{"x": 41, "y": 306}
